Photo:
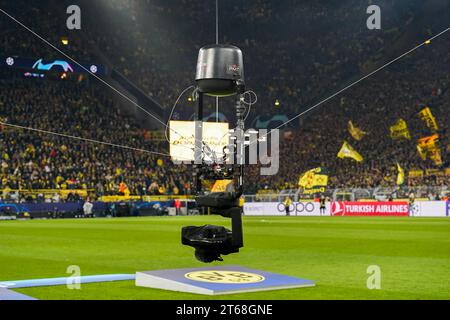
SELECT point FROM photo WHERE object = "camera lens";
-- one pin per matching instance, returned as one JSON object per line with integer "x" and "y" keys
{"x": 209, "y": 242}
{"x": 206, "y": 256}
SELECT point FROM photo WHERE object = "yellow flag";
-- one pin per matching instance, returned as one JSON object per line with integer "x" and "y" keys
{"x": 435, "y": 155}
{"x": 422, "y": 152}
{"x": 400, "y": 175}
{"x": 314, "y": 180}
{"x": 347, "y": 151}
{"x": 426, "y": 115}
{"x": 306, "y": 179}
{"x": 355, "y": 132}
{"x": 428, "y": 148}
{"x": 313, "y": 177}
{"x": 400, "y": 130}
{"x": 221, "y": 185}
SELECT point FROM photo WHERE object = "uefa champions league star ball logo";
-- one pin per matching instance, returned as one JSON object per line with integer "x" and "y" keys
{"x": 93, "y": 68}
{"x": 414, "y": 209}
{"x": 9, "y": 61}
{"x": 227, "y": 277}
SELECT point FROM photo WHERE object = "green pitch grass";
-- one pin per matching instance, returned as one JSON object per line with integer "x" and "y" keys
{"x": 413, "y": 254}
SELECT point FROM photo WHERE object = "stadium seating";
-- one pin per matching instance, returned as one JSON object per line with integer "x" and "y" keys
{"x": 140, "y": 46}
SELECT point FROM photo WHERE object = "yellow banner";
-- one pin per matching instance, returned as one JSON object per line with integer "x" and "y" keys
{"x": 415, "y": 173}
{"x": 434, "y": 172}
{"x": 347, "y": 151}
{"x": 428, "y": 172}
{"x": 48, "y": 193}
{"x": 119, "y": 198}
{"x": 355, "y": 132}
{"x": 400, "y": 130}
{"x": 426, "y": 115}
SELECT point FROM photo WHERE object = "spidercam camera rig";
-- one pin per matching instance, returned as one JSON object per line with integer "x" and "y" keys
{"x": 220, "y": 73}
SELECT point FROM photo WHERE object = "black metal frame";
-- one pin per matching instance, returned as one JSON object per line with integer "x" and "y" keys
{"x": 233, "y": 212}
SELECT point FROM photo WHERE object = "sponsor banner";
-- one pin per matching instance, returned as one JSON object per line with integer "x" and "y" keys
{"x": 43, "y": 64}
{"x": 70, "y": 209}
{"x": 279, "y": 209}
{"x": 8, "y": 217}
{"x": 369, "y": 209}
{"x": 366, "y": 208}
{"x": 428, "y": 209}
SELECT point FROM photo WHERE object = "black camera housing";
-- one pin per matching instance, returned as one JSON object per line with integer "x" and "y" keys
{"x": 209, "y": 241}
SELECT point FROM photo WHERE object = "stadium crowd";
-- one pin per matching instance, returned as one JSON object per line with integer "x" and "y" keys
{"x": 33, "y": 160}
{"x": 328, "y": 55}
{"x": 374, "y": 107}
{"x": 297, "y": 62}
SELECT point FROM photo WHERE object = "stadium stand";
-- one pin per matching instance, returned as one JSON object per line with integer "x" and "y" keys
{"x": 139, "y": 44}
{"x": 39, "y": 161}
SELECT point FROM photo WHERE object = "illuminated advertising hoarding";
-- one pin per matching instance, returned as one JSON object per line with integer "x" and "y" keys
{"x": 44, "y": 65}
{"x": 370, "y": 208}
{"x": 182, "y": 139}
